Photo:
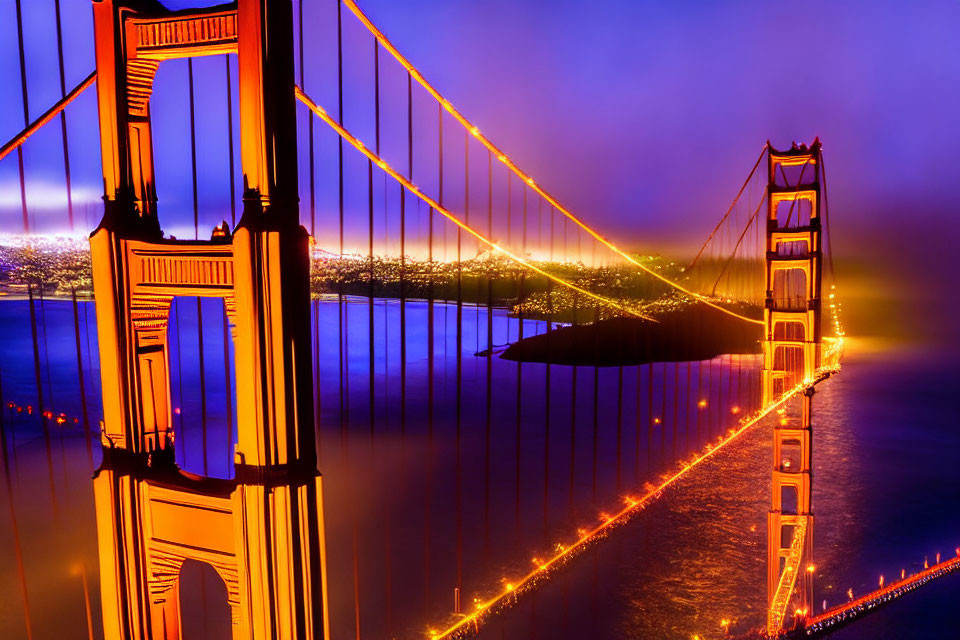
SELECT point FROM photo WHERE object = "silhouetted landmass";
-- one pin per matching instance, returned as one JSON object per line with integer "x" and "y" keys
{"x": 694, "y": 332}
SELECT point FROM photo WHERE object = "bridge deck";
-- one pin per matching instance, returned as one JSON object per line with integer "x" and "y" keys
{"x": 865, "y": 604}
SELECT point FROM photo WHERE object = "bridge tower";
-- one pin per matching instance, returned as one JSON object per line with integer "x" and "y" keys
{"x": 791, "y": 358}
{"x": 262, "y": 531}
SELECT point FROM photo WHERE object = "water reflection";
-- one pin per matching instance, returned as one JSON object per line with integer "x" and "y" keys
{"x": 419, "y": 501}
{"x": 446, "y": 485}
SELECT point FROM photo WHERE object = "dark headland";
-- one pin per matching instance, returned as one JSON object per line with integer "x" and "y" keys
{"x": 694, "y": 332}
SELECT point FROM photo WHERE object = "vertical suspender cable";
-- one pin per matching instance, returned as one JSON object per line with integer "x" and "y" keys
{"x": 193, "y": 151}
{"x": 233, "y": 184}
{"x": 196, "y": 236}
{"x": 524, "y": 239}
{"x": 551, "y": 232}
{"x": 17, "y": 548}
{"x": 342, "y": 398}
{"x": 313, "y": 197}
{"x": 509, "y": 209}
{"x": 440, "y": 166}
{"x": 370, "y": 319}
{"x": 489, "y": 276}
{"x": 26, "y": 118}
{"x": 228, "y": 391}
{"x": 340, "y": 114}
{"x": 63, "y": 118}
{"x": 403, "y": 262}
{"x": 459, "y": 373}
{"x": 539, "y": 222}
{"x": 566, "y": 254}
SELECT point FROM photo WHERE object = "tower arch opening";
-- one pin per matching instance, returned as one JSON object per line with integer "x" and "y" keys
{"x": 204, "y": 609}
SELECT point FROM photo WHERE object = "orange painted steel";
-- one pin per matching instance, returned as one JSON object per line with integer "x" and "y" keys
{"x": 48, "y": 115}
{"x": 788, "y": 578}
{"x": 786, "y": 574}
{"x": 415, "y": 190}
{"x": 528, "y": 180}
{"x": 262, "y": 531}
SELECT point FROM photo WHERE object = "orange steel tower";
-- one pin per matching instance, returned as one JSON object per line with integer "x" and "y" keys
{"x": 791, "y": 358}
{"x": 262, "y": 531}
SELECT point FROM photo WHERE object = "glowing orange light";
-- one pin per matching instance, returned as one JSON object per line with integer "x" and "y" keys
{"x": 735, "y": 410}
{"x": 702, "y": 404}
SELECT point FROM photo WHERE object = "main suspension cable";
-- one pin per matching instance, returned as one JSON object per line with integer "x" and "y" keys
{"x": 47, "y": 116}
{"x": 726, "y": 215}
{"x": 475, "y": 131}
{"x": 396, "y": 175}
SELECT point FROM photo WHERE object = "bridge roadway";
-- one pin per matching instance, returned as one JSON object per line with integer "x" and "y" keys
{"x": 841, "y": 615}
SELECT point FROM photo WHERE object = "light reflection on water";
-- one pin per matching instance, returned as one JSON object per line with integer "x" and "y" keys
{"x": 413, "y": 511}
{"x": 884, "y": 497}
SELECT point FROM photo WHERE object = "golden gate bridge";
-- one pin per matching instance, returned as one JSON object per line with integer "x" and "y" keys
{"x": 761, "y": 266}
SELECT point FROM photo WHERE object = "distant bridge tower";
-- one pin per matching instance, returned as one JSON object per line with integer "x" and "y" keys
{"x": 263, "y": 530}
{"x": 791, "y": 358}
